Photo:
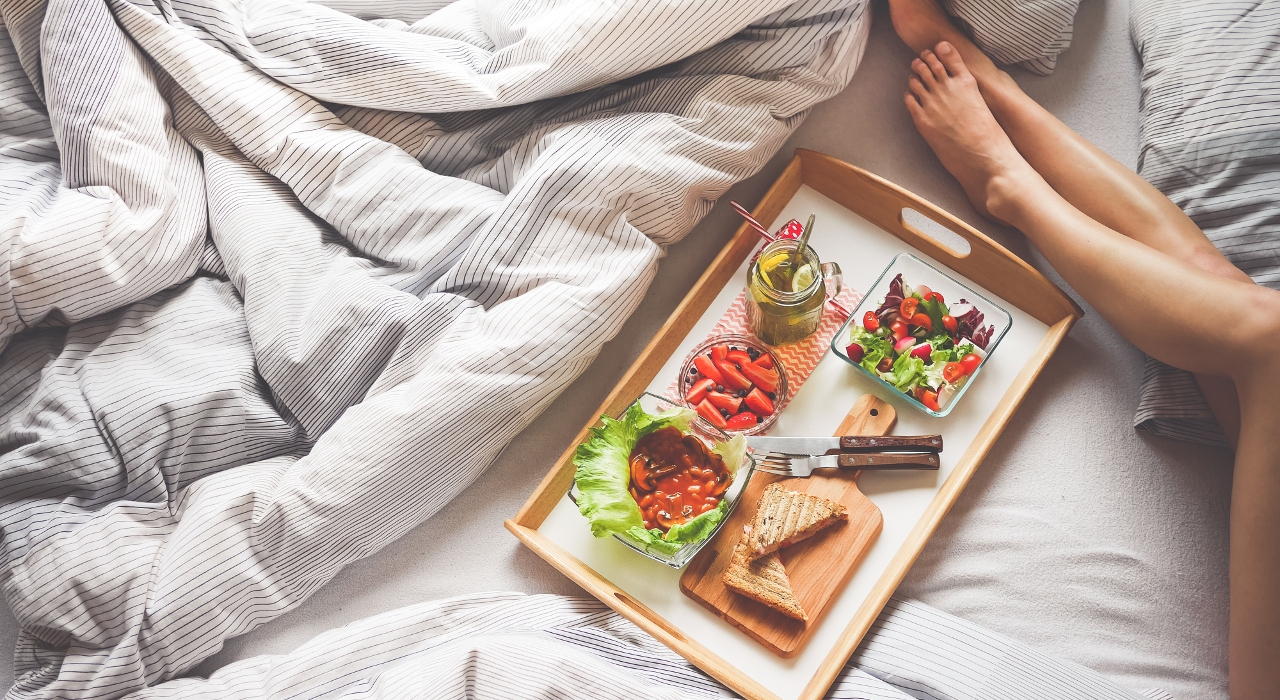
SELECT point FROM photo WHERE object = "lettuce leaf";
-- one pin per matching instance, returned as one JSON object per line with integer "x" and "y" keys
{"x": 935, "y": 310}
{"x": 603, "y": 473}
{"x": 695, "y": 530}
{"x": 906, "y": 373}
{"x": 733, "y": 452}
{"x": 874, "y": 347}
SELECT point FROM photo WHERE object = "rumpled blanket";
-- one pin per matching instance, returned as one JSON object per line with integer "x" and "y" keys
{"x": 509, "y": 646}
{"x": 279, "y": 279}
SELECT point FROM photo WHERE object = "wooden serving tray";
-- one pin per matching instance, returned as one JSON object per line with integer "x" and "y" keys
{"x": 816, "y": 567}
{"x": 862, "y": 227}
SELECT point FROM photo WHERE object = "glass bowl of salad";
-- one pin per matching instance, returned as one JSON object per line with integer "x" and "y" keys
{"x": 652, "y": 482}
{"x": 922, "y": 334}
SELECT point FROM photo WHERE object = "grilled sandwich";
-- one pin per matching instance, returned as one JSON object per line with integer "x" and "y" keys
{"x": 763, "y": 580}
{"x": 785, "y": 517}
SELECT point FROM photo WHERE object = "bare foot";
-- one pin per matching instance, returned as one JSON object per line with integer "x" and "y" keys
{"x": 949, "y": 111}
{"x": 921, "y": 24}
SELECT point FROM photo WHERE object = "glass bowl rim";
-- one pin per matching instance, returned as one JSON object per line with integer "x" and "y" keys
{"x": 745, "y": 338}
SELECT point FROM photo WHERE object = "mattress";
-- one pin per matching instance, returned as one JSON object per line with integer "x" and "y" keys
{"x": 1079, "y": 537}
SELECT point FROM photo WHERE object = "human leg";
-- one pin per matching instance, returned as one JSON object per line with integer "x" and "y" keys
{"x": 1160, "y": 302}
{"x": 1095, "y": 183}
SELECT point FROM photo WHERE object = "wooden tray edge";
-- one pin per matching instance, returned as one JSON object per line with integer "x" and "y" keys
{"x": 639, "y": 614}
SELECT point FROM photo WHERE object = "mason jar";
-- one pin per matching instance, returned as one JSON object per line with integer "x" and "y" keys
{"x": 784, "y": 299}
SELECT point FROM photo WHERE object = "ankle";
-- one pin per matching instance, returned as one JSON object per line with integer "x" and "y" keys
{"x": 1004, "y": 194}
{"x": 999, "y": 90}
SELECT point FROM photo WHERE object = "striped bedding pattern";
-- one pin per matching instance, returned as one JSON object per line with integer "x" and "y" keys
{"x": 278, "y": 279}
{"x": 1030, "y": 33}
{"x": 1211, "y": 143}
{"x": 510, "y": 646}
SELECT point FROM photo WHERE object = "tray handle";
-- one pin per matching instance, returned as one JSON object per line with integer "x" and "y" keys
{"x": 987, "y": 263}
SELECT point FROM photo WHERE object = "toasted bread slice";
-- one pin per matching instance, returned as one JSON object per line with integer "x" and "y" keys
{"x": 785, "y": 517}
{"x": 764, "y": 580}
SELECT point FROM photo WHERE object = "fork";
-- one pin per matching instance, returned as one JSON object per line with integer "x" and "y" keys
{"x": 802, "y": 466}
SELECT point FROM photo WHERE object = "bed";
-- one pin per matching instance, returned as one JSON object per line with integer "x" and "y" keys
{"x": 1081, "y": 538}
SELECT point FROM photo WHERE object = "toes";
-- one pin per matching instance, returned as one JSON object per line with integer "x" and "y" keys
{"x": 936, "y": 69}
{"x": 950, "y": 58}
{"x": 916, "y": 86}
{"x": 913, "y": 105}
{"x": 923, "y": 71}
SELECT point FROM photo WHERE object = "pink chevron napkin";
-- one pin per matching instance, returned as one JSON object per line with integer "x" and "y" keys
{"x": 798, "y": 359}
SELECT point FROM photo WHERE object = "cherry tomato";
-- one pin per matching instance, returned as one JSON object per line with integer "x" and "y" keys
{"x": 952, "y": 326}
{"x": 908, "y": 307}
{"x": 855, "y": 352}
{"x": 929, "y": 398}
{"x": 970, "y": 363}
{"x": 870, "y": 322}
{"x": 934, "y": 296}
{"x": 899, "y": 330}
{"x": 952, "y": 372}
{"x": 923, "y": 321}
{"x": 885, "y": 365}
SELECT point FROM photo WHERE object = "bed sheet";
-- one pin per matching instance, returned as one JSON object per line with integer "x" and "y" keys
{"x": 1078, "y": 536}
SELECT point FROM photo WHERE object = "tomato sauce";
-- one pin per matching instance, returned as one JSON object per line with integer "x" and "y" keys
{"x": 675, "y": 478}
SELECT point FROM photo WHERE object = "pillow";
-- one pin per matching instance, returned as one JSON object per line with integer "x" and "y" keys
{"x": 1211, "y": 143}
{"x": 1030, "y": 33}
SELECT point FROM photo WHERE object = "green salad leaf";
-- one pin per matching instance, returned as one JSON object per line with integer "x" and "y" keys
{"x": 906, "y": 373}
{"x": 874, "y": 347}
{"x": 603, "y": 473}
{"x": 935, "y": 310}
{"x": 909, "y": 372}
{"x": 695, "y": 530}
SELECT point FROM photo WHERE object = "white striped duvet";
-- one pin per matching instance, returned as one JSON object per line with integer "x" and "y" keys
{"x": 277, "y": 282}
{"x": 516, "y": 647}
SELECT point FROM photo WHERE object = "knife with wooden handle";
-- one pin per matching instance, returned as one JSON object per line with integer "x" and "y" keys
{"x": 846, "y": 443}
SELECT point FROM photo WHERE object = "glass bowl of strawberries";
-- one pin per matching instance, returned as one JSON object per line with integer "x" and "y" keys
{"x": 736, "y": 384}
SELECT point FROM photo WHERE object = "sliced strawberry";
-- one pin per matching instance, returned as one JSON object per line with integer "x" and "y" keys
{"x": 708, "y": 368}
{"x": 719, "y": 352}
{"x": 766, "y": 379}
{"x": 712, "y": 415}
{"x": 739, "y": 357}
{"x": 765, "y": 361}
{"x": 733, "y": 379}
{"x": 699, "y": 390}
{"x": 743, "y": 421}
{"x": 759, "y": 403}
{"x": 728, "y": 402}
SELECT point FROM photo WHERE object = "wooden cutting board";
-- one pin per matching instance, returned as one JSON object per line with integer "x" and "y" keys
{"x": 817, "y": 567}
